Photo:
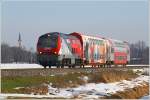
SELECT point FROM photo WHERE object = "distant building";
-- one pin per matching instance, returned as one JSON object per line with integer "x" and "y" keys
{"x": 19, "y": 41}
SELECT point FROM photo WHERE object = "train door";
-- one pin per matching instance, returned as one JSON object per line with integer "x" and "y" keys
{"x": 108, "y": 52}
{"x": 86, "y": 52}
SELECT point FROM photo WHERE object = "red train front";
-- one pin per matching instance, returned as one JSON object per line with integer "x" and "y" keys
{"x": 58, "y": 49}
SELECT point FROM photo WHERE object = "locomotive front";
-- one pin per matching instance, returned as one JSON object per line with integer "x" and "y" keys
{"x": 48, "y": 47}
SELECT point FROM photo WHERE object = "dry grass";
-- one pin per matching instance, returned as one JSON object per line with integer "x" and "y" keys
{"x": 112, "y": 76}
{"x": 40, "y": 90}
{"x": 134, "y": 93}
{"x": 35, "y": 98}
{"x": 34, "y": 84}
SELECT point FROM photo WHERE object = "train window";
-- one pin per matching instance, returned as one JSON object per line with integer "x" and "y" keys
{"x": 101, "y": 42}
{"x": 118, "y": 57}
{"x": 68, "y": 41}
{"x": 48, "y": 41}
{"x": 112, "y": 50}
{"x": 73, "y": 51}
{"x": 127, "y": 51}
{"x": 95, "y": 56}
{"x": 121, "y": 57}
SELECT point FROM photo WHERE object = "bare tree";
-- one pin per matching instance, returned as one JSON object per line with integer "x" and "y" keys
{"x": 16, "y": 54}
{"x": 139, "y": 53}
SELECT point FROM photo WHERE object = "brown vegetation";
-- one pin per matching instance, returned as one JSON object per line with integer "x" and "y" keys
{"x": 35, "y": 84}
{"x": 112, "y": 76}
{"x": 134, "y": 93}
{"x": 41, "y": 90}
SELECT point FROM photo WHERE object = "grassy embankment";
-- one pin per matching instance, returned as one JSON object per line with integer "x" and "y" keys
{"x": 36, "y": 83}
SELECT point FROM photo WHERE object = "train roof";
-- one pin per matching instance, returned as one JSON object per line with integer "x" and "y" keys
{"x": 118, "y": 41}
{"x": 50, "y": 33}
{"x": 80, "y": 35}
{"x": 61, "y": 34}
{"x": 89, "y": 35}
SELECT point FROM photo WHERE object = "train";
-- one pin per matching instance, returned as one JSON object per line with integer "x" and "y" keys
{"x": 77, "y": 49}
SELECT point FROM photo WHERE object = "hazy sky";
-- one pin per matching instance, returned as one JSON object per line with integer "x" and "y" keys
{"x": 123, "y": 20}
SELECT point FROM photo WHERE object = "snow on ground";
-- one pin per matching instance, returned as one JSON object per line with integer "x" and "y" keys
{"x": 145, "y": 97}
{"x": 4, "y": 96}
{"x": 19, "y": 66}
{"x": 89, "y": 90}
{"x": 92, "y": 90}
{"x": 23, "y": 66}
{"x": 27, "y": 66}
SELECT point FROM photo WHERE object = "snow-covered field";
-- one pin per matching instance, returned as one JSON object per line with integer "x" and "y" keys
{"x": 145, "y": 97}
{"x": 28, "y": 66}
{"x": 19, "y": 66}
{"x": 24, "y": 66}
{"x": 89, "y": 90}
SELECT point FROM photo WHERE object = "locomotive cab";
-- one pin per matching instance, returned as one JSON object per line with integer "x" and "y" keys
{"x": 48, "y": 43}
{"x": 47, "y": 47}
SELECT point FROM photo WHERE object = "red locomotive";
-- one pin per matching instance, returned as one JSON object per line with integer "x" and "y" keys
{"x": 58, "y": 49}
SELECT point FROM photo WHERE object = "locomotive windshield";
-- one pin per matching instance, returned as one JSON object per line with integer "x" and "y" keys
{"x": 48, "y": 41}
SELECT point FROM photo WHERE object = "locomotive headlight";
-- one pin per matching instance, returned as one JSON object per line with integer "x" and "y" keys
{"x": 40, "y": 52}
{"x": 55, "y": 52}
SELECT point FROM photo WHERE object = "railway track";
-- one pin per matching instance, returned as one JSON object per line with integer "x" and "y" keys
{"x": 55, "y": 71}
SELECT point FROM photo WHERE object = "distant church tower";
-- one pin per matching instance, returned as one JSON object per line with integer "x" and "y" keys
{"x": 19, "y": 41}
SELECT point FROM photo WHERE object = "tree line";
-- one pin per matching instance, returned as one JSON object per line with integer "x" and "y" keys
{"x": 139, "y": 54}
{"x": 16, "y": 54}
